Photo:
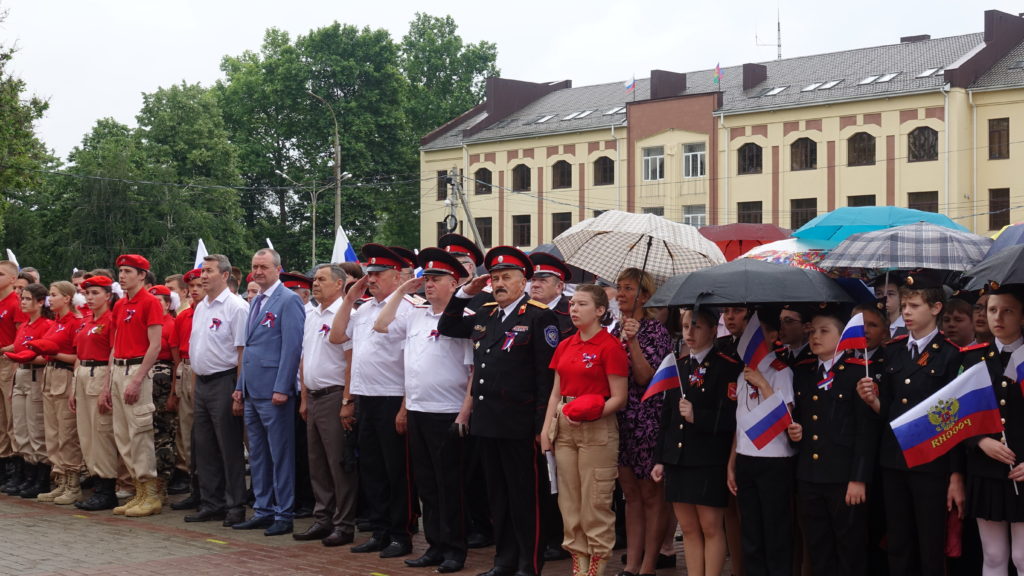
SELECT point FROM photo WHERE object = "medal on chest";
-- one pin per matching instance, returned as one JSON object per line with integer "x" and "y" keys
{"x": 697, "y": 376}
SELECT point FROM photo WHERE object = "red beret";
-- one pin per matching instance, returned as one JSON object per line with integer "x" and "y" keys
{"x": 43, "y": 346}
{"x": 100, "y": 281}
{"x": 21, "y": 357}
{"x": 192, "y": 275}
{"x": 133, "y": 260}
{"x": 584, "y": 408}
{"x": 160, "y": 290}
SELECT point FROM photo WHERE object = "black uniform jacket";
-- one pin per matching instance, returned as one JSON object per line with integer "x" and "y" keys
{"x": 840, "y": 431}
{"x": 565, "y": 326}
{"x": 905, "y": 383}
{"x": 711, "y": 387}
{"x": 511, "y": 379}
{"x": 1010, "y": 397}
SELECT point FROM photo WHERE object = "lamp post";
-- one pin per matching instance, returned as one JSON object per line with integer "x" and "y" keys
{"x": 313, "y": 194}
{"x": 337, "y": 161}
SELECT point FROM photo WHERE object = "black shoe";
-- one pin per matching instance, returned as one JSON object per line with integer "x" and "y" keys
{"x": 190, "y": 503}
{"x": 496, "y": 571}
{"x": 255, "y": 523}
{"x": 478, "y": 540}
{"x": 236, "y": 516}
{"x": 88, "y": 483}
{"x": 278, "y": 528}
{"x": 98, "y": 501}
{"x": 396, "y": 548}
{"x": 37, "y": 484}
{"x": 428, "y": 559}
{"x": 179, "y": 483}
{"x": 303, "y": 512}
{"x": 552, "y": 554}
{"x": 206, "y": 516}
{"x": 317, "y": 531}
{"x": 374, "y": 544}
{"x": 450, "y": 566}
{"x": 665, "y": 561}
{"x": 338, "y": 538}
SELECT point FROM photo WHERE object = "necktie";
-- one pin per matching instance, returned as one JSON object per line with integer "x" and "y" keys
{"x": 501, "y": 316}
{"x": 257, "y": 304}
{"x": 821, "y": 372}
{"x": 914, "y": 353}
{"x": 1004, "y": 357}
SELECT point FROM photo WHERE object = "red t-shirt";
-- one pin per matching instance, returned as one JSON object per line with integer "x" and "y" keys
{"x": 95, "y": 339}
{"x": 133, "y": 317}
{"x": 63, "y": 331}
{"x": 10, "y": 314}
{"x": 28, "y": 331}
{"x": 166, "y": 337}
{"x": 584, "y": 366}
{"x": 182, "y": 331}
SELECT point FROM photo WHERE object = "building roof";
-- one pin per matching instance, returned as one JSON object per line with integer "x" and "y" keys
{"x": 1008, "y": 71}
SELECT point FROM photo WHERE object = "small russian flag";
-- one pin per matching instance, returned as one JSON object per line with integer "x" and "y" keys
{"x": 717, "y": 78}
{"x": 752, "y": 346}
{"x": 630, "y": 85}
{"x": 665, "y": 378}
{"x": 852, "y": 337}
{"x": 772, "y": 418}
{"x": 1015, "y": 367}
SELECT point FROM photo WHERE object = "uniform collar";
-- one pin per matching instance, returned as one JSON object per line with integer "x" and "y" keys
{"x": 1011, "y": 347}
{"x": 700, "y": 356}
{"x": 923, "y": 342}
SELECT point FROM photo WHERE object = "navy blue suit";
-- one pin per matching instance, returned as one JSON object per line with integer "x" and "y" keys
{"x": 270, "y": 364}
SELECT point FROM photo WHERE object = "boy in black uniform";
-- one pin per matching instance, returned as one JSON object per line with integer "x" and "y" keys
{"x": 513, "y": 340}
{"x": 916, "y": 499}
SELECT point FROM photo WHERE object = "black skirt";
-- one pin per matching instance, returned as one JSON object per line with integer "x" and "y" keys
{"x": 994, "y": 500}
{"x": 702, "y": 486}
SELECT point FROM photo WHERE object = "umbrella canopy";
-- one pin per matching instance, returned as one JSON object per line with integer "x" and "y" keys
{"x": 1007, "y": 236}
{"x": 617, "y": 240}
{"x": 919, "y": 245}
{"x": 579, "y": 276}
{"x": 1004, "y": 267}
{"x": 746, "y": 281}
{"x": 793, "y": 252}
{"x": 664, "y": 294}
{"x": 841, "y": 223}
{"x": 736, "y": 239}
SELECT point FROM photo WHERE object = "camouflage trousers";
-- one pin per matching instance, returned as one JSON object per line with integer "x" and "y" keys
{"x": 164, "y": 422}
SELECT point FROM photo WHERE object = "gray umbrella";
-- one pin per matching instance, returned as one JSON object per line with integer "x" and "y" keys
{"x": 746, "y": 281}
{"x": 919, "y": 245}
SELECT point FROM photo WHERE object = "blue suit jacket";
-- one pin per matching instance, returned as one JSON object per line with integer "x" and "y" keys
{"x": 270, "y": 361}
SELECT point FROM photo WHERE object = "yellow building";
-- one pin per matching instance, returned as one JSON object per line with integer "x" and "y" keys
{"x": 924, "y": 123}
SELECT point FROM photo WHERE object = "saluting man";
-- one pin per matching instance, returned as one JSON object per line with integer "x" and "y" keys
{"x": 513, "y": 338}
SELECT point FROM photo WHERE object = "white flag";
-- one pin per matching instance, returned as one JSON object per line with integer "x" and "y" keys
{"x": 200, "y": 254}
{"x": 12, "y": 258}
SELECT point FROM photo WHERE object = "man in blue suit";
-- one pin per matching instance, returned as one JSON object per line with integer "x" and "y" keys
{"x": 266, "y": 384}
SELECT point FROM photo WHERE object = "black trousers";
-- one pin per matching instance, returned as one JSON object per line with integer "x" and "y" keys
{"x": 764, "y": 494}
{"x": 915, "y": 506}
{"x": 478, "y": 513}
{"x": 513, "y": 478}
{"x": 835, "y": 534}
{"x": 438, "y": 462}
{"x": 219, "y": 454}
{"x": 384, "y": 468}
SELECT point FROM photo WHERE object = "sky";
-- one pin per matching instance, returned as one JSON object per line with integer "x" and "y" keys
{"x": 94, "y": 59}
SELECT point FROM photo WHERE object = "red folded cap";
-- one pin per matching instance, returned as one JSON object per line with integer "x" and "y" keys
{"x": 101, "y": 281}
{"x": 160, "y": 290}
{"x": 43, "y": 346}
{"x": 133, "y": 260}
{"x": 584, "y": 408}
{"x": 193, "y": 274}
{"x": 22, "y": 356}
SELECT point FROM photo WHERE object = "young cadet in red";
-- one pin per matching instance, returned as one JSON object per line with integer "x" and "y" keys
{"x": 62, "y": 445}
{"x": 93, "y": 345}
{"x": 181, "y": 399}
{"x": 27, "y": 398}
{"x": 591, "y": 369}
{"x": 10, "y": 317}
{"x": 139, "y": 320}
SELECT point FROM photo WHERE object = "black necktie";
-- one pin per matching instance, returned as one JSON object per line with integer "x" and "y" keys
{"x": 501, "y": 316}
{"x": 821, "y": 372}
{"x": 914, "y": 353}
{"x": 1004, "y": 357}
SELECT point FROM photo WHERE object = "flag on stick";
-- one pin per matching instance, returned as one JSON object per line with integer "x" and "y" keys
{"x": 200, "y": 254}
{"x": 665, "y": 378}
{"x": 752, "y": 346}
{"x": 343, "y": 251}
{"x": 772, "y": 418}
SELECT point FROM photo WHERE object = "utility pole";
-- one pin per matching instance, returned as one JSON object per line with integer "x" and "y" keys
{"x": 337, "y": 161}
{"x": 457, "y": 192}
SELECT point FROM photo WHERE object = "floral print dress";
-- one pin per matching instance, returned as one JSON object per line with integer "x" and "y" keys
{"x": 639, "y": 421}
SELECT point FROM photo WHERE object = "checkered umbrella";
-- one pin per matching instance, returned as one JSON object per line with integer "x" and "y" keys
{"x": 918, "y": 245}
{"x": 617, "y": 240}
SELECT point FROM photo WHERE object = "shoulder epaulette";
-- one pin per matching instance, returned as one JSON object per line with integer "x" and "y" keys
{"x": 728, "y": 357}
{"x": 857, "y": 361}
{"x": 899, "y": 338}
{"x": 490, "y": 304}
{"x": 806, "y": 361}
{"x": 971, "y": 347}
{"x": 421, "y": 306}
{"x": 540, "y": 305}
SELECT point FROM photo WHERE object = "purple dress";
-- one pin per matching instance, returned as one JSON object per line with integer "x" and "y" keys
{"x": 639, "y": 421}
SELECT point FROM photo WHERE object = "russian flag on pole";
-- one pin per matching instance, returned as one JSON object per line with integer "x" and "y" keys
{"x": 853, "y": 337}
{"x": 630, "y": 85}
{"x": 772, "y": 418}
{"x": 343, "y": 251}
{"x": 752, "y": 346}
{"x": 963, "y": 408}
{"x": 1015, "y": 367}
{"x": 665, "y": 378}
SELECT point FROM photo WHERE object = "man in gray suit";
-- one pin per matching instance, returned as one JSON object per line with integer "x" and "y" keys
{"x": 270, "y": 363}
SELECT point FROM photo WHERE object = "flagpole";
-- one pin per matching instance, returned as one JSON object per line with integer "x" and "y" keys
{"x": 867, "y": 370}
{"x": 1016, "y": 491}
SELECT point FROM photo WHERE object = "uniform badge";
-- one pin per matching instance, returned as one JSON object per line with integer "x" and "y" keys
{"x": 697, "y": 377}
{"x": 3, "y": 314}
{"x": 128, "y": 314}
{"x": 215, "y": 324}
{"x": 509, "y": 338}
{"x": 433, "y": 336}
{"x": 551, "y": 335}
{"x": 588, "y": 359}
{"x": 324, "y": 330}
{"x": 97, "y": 329}
{"x": 479, "y": 328}
{"x": 923, "y": 359}
{"x": 520, "y": 328}
{"x": 60, "y": 328}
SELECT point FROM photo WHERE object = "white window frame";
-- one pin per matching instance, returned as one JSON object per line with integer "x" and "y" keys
{"x": 654, "y": 164}
{"x": 694, "y": 160}
{"x": 694, "y": 218}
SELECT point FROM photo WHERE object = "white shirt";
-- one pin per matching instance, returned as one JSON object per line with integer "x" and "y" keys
{"x": 896, "y": 325}
{"x": 436, "y": 367}
{"x": 378, "y": 367}
{"x": 218, "y": 328}
{"x": 922, "y": 344}
{"x": 323, "y": 363}
{"x": 781, "y": 382}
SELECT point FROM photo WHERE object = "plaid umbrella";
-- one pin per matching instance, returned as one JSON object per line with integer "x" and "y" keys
{"x": 617, "y": 240}
{"x": 918, "y": 245}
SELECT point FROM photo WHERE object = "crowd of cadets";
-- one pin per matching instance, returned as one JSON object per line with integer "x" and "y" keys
{"x": 451, "y": 388}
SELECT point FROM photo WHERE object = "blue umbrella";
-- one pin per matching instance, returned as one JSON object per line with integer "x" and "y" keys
{"x": 844, "y": 222}
{"x": 1008, "y": 236}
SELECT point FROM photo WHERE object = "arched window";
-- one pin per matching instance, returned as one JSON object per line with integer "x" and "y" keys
{"x": 561, "y": 175}
{"x": 483, "y": 181}
{"x": 860, "y": 150}
{"x": 520, "y": 178}
{"x": 923, "y": 145}
{"x": 803, "y": 154}
{"x": 604, "y": 171}
{"x": 749, "y": 160}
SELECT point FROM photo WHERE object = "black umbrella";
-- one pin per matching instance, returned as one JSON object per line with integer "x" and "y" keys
{"x": 579, "y": 275}
{"x": 1004, "y": 267}
{"x": 747, "y": 281}
{"x": 664, "y": 294}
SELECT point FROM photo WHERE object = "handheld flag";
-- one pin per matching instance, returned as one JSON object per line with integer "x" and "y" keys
{"x": 853, "y": 337}
{"x": 269, "y": 245}
{"x": 665, "y": 378}
{"x": 963, "y": 408}
{"x": 772, "y": 418}
{"x": 717, "y": 78}
{"x": 752, "y": 346}
{"x": 200, "y": 254}
{"x": 13, "y": 259}
{"x": 630, "y": 85}
{"x": 1015, "y": 367}
{"x": 343, "y": 251}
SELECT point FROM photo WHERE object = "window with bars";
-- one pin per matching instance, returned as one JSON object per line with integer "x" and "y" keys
{"x": 520, "y": 178}
{"x": 998, "y": 139}
{"x": 749, "y": 213}
{"x": 483, "y": 181}
{"x": 693, "y": 160}
{"x": 803, "y": 154}
{"x": 560, "y": 222}
{"x": 860, "y": 150}
{"x": 654, "y": 163}
{"x": 604, "y": 171}
{"x": 561, "y": 175}
{"x": 922, "y": 145}
{"x": 924, "y": 201}
{"x": 656, "y": 210}
{"x": 749, "y": 159}
{"x": 483, "y": 226}
{"x": 802, "y": 211}
{"x": 521, "y": 235}
{"x": 442, "y": 185}
{"x": 998, "y": 208}
{"x": 695, "y": 215}
{"x": 861, "y": 200}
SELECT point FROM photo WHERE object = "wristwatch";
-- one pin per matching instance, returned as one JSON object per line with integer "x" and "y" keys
{"x": 346, "y": 401}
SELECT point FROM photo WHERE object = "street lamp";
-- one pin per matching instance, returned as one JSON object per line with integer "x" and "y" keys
{"x": 313, "y": 194}
{"x": 337, "y": 161}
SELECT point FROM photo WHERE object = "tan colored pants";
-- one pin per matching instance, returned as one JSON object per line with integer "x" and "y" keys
{"x": 95, "y": 430}
{"x": 27, "y": 407}
{"x": 586, "y": 457}
{"x": 7, "y": 369}
{"x": 133, "y": 423}
{"x": 186, "y": 389}
{"x": 62, "y": 445}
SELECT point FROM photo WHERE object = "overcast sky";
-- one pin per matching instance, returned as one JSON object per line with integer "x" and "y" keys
{"x": 94, "y": 59}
